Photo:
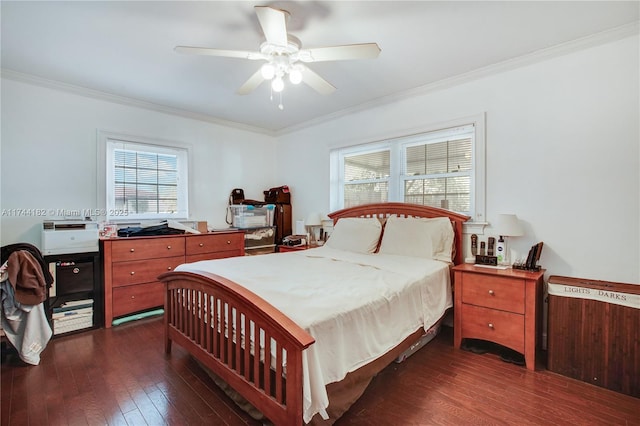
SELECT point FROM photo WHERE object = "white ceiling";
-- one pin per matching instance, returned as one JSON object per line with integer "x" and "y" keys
{"x": 125, "y": 48}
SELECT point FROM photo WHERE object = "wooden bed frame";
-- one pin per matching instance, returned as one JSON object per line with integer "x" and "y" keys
{"x": 193, "y": 301}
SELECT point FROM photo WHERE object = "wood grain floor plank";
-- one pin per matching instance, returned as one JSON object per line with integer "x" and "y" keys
{"x": 204, "y": 386}
{"x": 121, "y": 376}
{"x": 164, "y": 406}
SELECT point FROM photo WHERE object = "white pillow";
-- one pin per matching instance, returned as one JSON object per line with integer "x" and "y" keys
{"x": 358, "y": 234}
{"x": 430, "y": 238}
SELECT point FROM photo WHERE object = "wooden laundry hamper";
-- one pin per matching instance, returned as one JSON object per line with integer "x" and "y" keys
{"x": 594, "y": 332}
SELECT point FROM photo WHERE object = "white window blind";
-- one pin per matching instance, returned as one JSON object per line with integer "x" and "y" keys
{"x": 366, "y": 178}
{"x": 438, "y": 173}
{"x": 146, "y": 181}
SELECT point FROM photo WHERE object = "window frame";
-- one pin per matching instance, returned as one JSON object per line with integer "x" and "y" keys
{"x": 433, "y": 137}
{"x": 397, "y": 146}
{"x": 374, "y": 148}
{"x": 108, "y": 142}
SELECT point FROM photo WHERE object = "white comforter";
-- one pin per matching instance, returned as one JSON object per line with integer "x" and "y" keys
{"x": 356, "y": 306}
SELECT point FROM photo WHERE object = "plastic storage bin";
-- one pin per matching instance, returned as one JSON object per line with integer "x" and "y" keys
{"x": 248, "y": 216}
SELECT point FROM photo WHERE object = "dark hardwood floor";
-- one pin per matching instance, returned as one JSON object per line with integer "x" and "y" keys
{"x": 121, "y": 376}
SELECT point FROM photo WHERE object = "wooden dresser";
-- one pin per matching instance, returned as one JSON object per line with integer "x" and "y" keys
{"x": 131, "y": 266}
{"x": 499, "y": 305}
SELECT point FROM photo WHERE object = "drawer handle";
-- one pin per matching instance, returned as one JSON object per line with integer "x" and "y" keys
{"x": 491, "y": 292}
{"x": 133, "y": 273}
{"x": 228, "y": 242}
{"x": 490, "y": 325}
{"x": 201, "y": 244}
{"x": 132, "y": 250}
{"x": 168, "y": 268}
{"x": 168, "y": 247}
{"x": 133, "y": 297}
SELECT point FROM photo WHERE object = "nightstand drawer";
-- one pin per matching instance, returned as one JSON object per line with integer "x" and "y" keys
{"x": 506, "y": 294}
{"x": 501, "y": 327}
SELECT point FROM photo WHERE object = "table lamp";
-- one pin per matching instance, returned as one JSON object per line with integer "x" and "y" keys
{"x": 507, "y": 225}
{"x": 313, "y": 221}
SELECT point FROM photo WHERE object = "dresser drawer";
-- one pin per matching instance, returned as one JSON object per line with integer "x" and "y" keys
{"x": 146, "y": 248}
{"x": 501, "y": 327}
{"x": 494, "y": 292}
{"x": 200, "y": 244}
{"x": 142, "y": 271}
{"x": 214, "y": 255}
{"x": 137, "y": 297}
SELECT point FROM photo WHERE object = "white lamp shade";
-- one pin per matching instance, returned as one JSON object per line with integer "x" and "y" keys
{"x": 277, "y": 84}
{"x": 313, "y": 219}
{"x": 295, "y": 76}
{"x": 508, "y": 225}
{"x": 268, "y": 71}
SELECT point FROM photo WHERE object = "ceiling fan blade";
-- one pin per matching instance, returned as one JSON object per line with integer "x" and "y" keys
{"x": 254, "y": 81}
{"x": 340, "y": 53}
{"x": 274, "y": 24}
{"x": 242, "y": 54}
{"x": 316, "y": 82}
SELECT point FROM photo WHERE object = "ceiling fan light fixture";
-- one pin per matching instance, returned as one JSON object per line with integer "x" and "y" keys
{"x": 268, "y": 71}
{"x": 277, "y": 84}
{"x": 295, "y": 76}
{"x": 284, "y": 55}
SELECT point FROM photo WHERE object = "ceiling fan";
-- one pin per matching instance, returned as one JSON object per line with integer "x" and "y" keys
{"x": 285, "y": 57}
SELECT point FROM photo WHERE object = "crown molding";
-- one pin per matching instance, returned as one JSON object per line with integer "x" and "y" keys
{"x": 592, "y": 40}
{"x": 541, "y": 55}
{"x": 123, "y": 100}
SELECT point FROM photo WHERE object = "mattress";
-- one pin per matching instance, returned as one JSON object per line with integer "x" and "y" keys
{"x": 357, "y": 306}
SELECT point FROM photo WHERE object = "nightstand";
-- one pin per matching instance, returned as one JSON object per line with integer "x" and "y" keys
{"x": 502, "y": 306}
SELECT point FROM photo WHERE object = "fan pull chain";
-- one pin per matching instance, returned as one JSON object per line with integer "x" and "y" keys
{"x": 280, "y": 106}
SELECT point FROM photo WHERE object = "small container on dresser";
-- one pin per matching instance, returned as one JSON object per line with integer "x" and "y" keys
{"x": 131, "y": 266}
{"x": 499, "y": 305}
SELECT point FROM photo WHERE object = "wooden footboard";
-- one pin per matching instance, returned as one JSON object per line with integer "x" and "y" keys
{"x": 242, "y": 338}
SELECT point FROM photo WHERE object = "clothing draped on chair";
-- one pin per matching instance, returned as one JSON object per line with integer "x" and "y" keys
{"x": 24, "y": 282}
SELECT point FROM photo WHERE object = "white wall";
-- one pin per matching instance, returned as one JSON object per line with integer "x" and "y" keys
{"x": 562, "y": 141}
{"x": 562, "y": 153}
{"x": 49, "y": 154}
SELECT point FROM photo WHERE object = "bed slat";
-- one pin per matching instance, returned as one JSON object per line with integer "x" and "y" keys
{"x": 227, "y": 312}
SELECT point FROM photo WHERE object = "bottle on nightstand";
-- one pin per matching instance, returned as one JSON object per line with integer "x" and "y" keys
{"x": 500, "y": 251}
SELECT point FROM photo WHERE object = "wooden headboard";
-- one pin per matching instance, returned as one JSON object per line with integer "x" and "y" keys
{"x": 383, "y": 210}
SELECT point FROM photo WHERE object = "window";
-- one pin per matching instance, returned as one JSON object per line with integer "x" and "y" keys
{"x": 366, "y": 178}
{"x": 440, "y": 168}
{"x": 145, "y": 180}
{"x": 437, "y": 171}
